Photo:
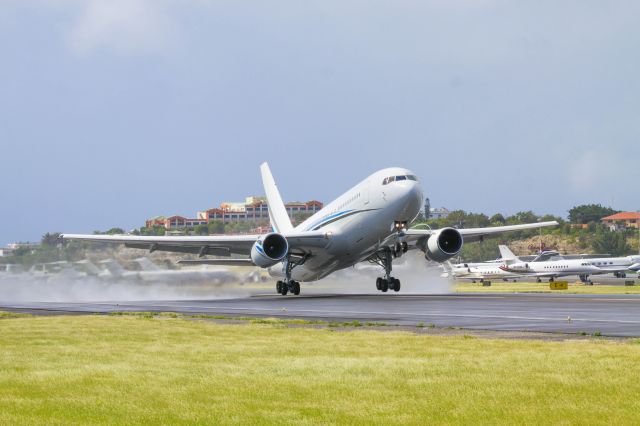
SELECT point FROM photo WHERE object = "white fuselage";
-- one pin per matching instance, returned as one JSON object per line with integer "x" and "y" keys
{"x": 554, "y": 268}
{"x": 609, "y": 265}
{"x": 486, "y": 271}
{"x": 358, "y": 221}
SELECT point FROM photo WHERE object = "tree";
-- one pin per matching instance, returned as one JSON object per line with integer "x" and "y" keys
{"x": 522, "y": 217}
{"x": 497, "y": 219}
{"x": 51, "y": 239}
{"x": 202, "y": 230}
{"x": 216, "y": 227}
{"x": 589, "y": 213}
{"x": 608, "y": 242}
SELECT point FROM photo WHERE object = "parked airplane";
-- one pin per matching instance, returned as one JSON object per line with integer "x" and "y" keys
{"x": 619, "y": 266}
{"x": 478, "y": 272}
{"x": 369, "y": 222}
{"x": 553, "y": 269}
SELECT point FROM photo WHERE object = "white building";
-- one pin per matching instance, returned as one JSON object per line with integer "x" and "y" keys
{"x": 438, "y": 212}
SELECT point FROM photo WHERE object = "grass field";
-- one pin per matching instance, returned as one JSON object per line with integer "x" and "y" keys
{"x": 165, "y": 370}
{"x": 523, "y": 287}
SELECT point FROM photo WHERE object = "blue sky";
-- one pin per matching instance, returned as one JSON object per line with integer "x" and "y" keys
{"x": 115, "y": 111}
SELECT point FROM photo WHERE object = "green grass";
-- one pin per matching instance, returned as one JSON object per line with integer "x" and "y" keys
{"x": 163, "y": 370}
{"x": 524, "y": 287}
{"x": 7, "y": 315}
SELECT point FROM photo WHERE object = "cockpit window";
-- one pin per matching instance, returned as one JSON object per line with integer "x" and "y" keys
{"x": 397, "y": 178}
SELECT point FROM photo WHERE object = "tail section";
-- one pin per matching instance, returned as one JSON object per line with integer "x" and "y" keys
{"x": 277, "y": 212}
{"x": 506, "y": 254}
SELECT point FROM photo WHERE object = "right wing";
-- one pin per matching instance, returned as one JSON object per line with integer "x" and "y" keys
{"x": 201, "y": 245}
{"x": 300, "y": 243}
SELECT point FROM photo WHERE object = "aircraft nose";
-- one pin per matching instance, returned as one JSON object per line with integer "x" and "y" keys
{"x": 412, "y": 194}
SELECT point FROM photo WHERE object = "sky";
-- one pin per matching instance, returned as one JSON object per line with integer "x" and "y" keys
{"x": 114, "y": 111}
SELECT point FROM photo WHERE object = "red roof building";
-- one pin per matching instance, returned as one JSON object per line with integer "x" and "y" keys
{"x": 622, "y": 220}
{"x": 255, "y": 210}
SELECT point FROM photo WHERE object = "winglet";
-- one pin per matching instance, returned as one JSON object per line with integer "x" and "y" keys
{"x": 277, "y": 212}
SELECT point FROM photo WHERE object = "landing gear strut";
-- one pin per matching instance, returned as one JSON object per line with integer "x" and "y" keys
{"x": 385, "y": 259}
{"x": 289, "y": 285}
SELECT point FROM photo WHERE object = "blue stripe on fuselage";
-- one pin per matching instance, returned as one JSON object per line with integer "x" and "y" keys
{"x": 327, "y": 218}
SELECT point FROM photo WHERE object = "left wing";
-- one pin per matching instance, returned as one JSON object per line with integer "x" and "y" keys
{"x": 477, "y": 234}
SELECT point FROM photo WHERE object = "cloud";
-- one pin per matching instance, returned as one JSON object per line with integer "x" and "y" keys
{"x": 123, "y": 26}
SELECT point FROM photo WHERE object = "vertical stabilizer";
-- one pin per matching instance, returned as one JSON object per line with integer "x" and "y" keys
{"x": 277, "y": 212}
{"x": 506, "y": 254}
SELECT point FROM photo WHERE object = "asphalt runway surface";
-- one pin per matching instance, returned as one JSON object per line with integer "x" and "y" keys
{"x": 610, "y": 315}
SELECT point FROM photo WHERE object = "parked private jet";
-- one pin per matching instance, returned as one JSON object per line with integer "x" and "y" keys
{"x": 368, "y": 223}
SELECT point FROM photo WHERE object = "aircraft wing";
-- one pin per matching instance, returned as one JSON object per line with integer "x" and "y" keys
{"x": 477, "y": 234}
{"x": 216, "y": 245}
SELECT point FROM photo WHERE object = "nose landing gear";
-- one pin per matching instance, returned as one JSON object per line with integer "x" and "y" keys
{"x": 385, "y": 259}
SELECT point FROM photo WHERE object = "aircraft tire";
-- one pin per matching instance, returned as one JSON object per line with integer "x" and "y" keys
{"x": 379, "y": 283}
{"x": 296, "y": 288}
{"x": 385, "y": 286}
{"x": 396, "y": 285}
{"x": 279, "y": 287}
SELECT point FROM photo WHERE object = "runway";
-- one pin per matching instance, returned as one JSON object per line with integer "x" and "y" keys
{"x": 610, "y": 315}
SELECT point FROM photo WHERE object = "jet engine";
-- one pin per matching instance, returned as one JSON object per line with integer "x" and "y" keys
{"x": 443, "y": 245}
{"x": 269, "y": 250}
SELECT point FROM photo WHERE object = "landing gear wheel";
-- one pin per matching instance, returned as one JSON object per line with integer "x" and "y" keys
{"x": 405, "y": 247}
{"x": 538, "y": 280}
{"x": 279, "y": 287}
{"x": 295, "y": 287}
{"x": 385, "y": 286}
{"x": 284, "y": 289}
{"x": 396, "y": 284}
{"x": 551, "y": 279}
{"x": 379, "y": 283}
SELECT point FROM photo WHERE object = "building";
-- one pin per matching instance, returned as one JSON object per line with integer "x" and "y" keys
{"x": 438, "y": 212}
{"x": 623, "y": 220}
{"x": 5, "y": 251}
{"x": 254, "y": 210}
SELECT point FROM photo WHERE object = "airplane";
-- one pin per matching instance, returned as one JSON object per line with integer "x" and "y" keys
{"x": 619, "y": 266}
{"x": 476, "y": 272}
{"x": 553, "y": 269}
{"x": 368, "y": 223}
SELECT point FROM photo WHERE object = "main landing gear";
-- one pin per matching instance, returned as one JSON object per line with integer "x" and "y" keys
{"x": 292, "y": 287}
{"x": 289, "y": 285}
{"x": 385, "y": 259}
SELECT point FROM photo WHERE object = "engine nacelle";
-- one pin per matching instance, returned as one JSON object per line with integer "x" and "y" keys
{"x": 443, "y": 245}
{"x": 269, "y": 250}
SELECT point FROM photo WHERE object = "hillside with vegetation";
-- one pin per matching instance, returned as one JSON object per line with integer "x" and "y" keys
{"x": 581, "y": 233}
